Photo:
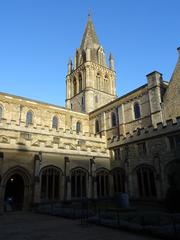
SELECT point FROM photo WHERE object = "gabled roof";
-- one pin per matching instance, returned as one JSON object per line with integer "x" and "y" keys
{"x": 89, "y": 37}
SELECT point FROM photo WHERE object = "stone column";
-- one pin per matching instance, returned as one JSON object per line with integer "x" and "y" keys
{"x": 111, "y": 186}
{"x": 92, "y": 170}
{"x": 37, "y": 185}
{"x": 67, "y": 183}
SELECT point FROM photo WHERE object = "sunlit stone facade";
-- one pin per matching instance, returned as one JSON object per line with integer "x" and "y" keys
{"x": 99, "y": 144}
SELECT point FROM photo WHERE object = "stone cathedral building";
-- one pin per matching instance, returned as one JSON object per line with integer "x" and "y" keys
{"x": 99, "y": 144}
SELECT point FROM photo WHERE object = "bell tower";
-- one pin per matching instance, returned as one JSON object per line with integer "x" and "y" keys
{"x": 90, "y": 83}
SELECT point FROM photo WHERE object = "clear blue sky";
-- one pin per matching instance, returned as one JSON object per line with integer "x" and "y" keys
{"x": 37, "y": 37}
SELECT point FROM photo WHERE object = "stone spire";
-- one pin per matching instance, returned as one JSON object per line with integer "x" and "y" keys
{"x": 172, "y": 96}
{"x": 89, "y": 37}
{"x": 111, "y": 62}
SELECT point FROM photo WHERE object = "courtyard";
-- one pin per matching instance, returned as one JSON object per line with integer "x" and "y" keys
{"x": 27, "y": 226}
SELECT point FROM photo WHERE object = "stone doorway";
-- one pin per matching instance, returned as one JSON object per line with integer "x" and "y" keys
{"x": 14, "y": 193}
{"x": 16, "y": 190}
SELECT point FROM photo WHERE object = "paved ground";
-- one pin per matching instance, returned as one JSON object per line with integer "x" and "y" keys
{"x": 31, "y": 226}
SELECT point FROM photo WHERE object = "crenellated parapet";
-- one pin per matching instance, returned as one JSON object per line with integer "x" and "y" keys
{"x": 162, "y": 128}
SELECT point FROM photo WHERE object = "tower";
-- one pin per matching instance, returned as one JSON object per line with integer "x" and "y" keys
{"x": 90, "y": 83}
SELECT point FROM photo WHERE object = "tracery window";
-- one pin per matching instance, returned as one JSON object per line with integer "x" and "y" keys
{"x": 55, "y": 122}
{"x": 51, "y": 178}
{"x": 113, "y": 119}
{"x": 118, "y": 180}
{"x": 97, "y": 127}
{"x": 137, "y": 110}
{"x": 78, "y": 127}
{"x": 29, "y": 118}
{"x": 102, "y": 180}
{"x": 146, "y": 182}
{"x": 78, "y": 183}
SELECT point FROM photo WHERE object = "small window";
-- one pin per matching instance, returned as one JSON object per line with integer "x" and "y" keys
{"x": 1, "y": 112}
{"x": 113, "y": 119}
{"x": 96, "y": 99}
{"x": 137, "y": 111}
{"x": 97, "y": 128}
{"x": 55, "y": 122}
{"x": 71, "y": 106}
{"x": 78, "y": 127}
{"x": 29, "y": 118}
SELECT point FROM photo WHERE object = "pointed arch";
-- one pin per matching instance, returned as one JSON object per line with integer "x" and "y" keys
{"x": 97, "y": 126}
{"x": 29, "y": 118}
{"x": 118, "y": 175}
{"x": 74, "y": 86}
{"x": 102, "y": 181}
{"x": 51, "y": 181}
{"x": 79, "y": 178}
{"x": 78, "y": 127}
{"x": 80, "y": 82}
{"x": 113, "y": 119}
{"x": 137, "y": 110}
{"x": 55, "y": 122}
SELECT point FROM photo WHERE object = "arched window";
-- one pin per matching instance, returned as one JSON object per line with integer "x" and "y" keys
{"x": 137, "y": 110}
{"x": 97, "y": 127}
{"x": 118, "y": 180}
{"x": 102, "y": 180}
{"x": 146, "y": 182}
{"x": 78, "y": 127}
{"x": 55, "y": 122}
{"x": 80, "y": 82}
{"x": 51, "y": 178}
{"x": 1, "y": 112}
{"x": 75, "y": 86}
{"x": 113, "y": 119}
{"x": 29, "y": 118}
{"x": 78, "y": 183}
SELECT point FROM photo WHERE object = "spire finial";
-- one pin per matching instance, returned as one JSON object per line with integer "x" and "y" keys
{"x": 178, "y": 50}
{"x": 89, "y": 15}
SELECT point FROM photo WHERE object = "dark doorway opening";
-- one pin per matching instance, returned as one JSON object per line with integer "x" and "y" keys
{"x": 14, "y": 193}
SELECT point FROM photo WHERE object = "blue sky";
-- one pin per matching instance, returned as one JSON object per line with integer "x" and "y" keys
{"x": 37, "y": 37}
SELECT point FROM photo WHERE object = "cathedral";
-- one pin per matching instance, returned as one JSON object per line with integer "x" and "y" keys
{"x": 99, "y": 144}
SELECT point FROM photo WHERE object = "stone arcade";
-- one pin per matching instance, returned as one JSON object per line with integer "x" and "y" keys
{"x": 98, "y": 145}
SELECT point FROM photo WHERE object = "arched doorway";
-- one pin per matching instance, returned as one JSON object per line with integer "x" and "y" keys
{"x": 14, "y": 193}
{"x": 16, "y": 190}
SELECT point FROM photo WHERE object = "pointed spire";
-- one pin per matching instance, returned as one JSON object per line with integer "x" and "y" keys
{"x": 178, "y": 50}
{"x": 111, "y": 62}
{"x": 111, "y": 56}
{"x": 69, "y": 65}
{"x": 89, "y": 37}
